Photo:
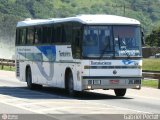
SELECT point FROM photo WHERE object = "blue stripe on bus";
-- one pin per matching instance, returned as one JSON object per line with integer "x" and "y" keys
{"x": 48, "y": 51}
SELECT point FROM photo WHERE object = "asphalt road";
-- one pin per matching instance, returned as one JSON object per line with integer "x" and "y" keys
{"x": 15, "y": 98}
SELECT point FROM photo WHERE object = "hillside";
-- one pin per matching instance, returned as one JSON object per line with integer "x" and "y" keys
{"x": 11, "y": 11}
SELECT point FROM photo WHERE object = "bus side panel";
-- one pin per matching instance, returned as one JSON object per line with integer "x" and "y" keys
{"x": 20, "y": 62}
{"x": 64, "y": 60}
{"x": 59, "y": 76}
{"x": 43, "y": 73}
{"x": 22, "y": 66}
{"x": 78, "y": 78}
{"x": 42, "y": 66}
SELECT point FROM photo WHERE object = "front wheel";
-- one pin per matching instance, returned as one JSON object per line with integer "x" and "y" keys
{"x": 120, "y": 92}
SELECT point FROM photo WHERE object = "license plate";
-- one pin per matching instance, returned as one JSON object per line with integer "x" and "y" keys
{"x": 114, "y": 81}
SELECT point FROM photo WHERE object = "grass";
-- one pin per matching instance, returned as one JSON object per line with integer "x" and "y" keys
{"x": 150, "y": 83}
{"x": 7, "y": 68}
{"x": 151, "y": 64}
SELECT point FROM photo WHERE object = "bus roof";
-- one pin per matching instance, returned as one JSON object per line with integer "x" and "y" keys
{"x": 84, "y": 19}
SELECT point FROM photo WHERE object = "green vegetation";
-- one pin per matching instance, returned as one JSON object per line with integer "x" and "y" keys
{"x": 147, "y": 11}
{"x": 151, "y": 64}
{"x": 154, "y": 38}
{"x": 7, "y": 68}
{"x": 150, "y": 83}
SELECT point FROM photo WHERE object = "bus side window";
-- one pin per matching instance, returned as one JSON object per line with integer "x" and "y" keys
{"x": 67, "y": 33}
{"x": 21, "y": 36}
{"x": 47, "y": 34}
{"x": 76, "y": 38}
{"x": 17, "y": 37}
{"x": 38, "y": 35}
{"x": 58, "y": 33}
{"x": 30, "y": 36}
{"x": 53, "y": 34}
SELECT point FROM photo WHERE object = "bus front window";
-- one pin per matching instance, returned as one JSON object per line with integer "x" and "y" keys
{"x": 127, "y": 41}
{"x": 97, "y": 40}
{"x": 108, "y": 41}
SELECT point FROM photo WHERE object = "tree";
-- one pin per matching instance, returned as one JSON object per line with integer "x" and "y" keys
{"x": 154, "y": 38}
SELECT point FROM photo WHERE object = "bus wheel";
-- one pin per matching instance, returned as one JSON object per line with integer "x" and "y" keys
{"x": 30, "y": 85}
{"x": 70, "y": 85}
{"x": 120, "y": 92}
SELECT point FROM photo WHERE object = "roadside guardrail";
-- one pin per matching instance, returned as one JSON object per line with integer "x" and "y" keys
{"x": 7, "y": 62}
{"x": 154, "y": 75}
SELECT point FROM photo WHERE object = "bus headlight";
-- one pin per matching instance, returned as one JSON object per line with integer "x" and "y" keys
{"x": 89, "y": 87}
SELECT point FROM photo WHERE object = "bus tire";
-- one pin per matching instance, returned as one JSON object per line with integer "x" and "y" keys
{"x": 30, "y": 85}
{"x": 29, "y": 78}
{"x": 120, "y": 92}
{"x": 70, "y": 85}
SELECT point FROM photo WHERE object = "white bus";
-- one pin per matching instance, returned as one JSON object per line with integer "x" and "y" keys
{"x": 79, "y": 53}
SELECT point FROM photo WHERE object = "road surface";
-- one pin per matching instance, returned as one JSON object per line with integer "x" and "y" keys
{"x": 15, "y": 98}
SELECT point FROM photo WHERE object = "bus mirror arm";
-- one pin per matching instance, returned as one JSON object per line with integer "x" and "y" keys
{"x": 142, "y": 37}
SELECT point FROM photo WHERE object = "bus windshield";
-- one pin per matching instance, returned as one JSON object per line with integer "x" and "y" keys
{"x": 111, "y": 41}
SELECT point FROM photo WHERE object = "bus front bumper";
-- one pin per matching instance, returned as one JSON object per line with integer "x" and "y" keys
{"x": 90, "y": 83}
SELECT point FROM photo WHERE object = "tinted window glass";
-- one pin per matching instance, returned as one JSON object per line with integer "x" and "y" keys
{"x": 21, "y": 36}
{"x": 76, "y": 38}
{"x": 67, "y": 34}
{"x": 62, "y": 33}
{"x": 30, "y": 36}
{"x": 127, "y": 40}
{"x": 17, "y": 37}
{"x": 47, "y": 34}
{"x": 53, "y": 36}
{"x": 38, "y": 35}
{"x": 58, "y": 33}
{"x": 98, "y": 41}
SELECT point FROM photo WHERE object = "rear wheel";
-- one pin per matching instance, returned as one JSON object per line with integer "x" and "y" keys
{"x": 30, "y": 85}
{"x": 120, "y": 92}
{"x": 29, "y": 78}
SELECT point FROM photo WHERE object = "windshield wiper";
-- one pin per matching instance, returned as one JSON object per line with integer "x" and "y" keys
{"x": 104, "y": 50}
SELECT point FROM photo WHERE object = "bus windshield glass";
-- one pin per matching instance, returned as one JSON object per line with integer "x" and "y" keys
{"x": 111, "y": 41}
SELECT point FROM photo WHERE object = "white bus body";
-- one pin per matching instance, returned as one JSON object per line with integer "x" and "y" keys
{"x": 116, "y": 64}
